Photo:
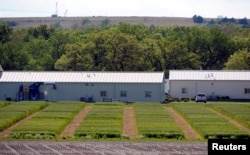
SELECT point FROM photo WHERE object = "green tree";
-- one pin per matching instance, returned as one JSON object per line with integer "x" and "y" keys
{"x": 105, "y": 22}
{"x": 76, "y": 58}
{"x": 12, "y": 58}
{"x": 124, "y": 54}
{"x": 5, "y": 33}
{"x": 239, "y": 61}
{"x": 211, "y": 45}
{"x": 39, "y": 51}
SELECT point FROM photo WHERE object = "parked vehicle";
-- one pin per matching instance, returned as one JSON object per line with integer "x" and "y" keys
{"x": 201, "y": 97}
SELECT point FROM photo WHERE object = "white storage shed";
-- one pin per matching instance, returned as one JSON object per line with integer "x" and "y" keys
{"x": 216, "y": 84}
{"x": 84, "y": 86}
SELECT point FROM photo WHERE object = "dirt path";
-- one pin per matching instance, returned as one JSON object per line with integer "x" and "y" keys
{"x": 6, "y": 132}
{"x": 235, "y": 123}
{"x": 70, "y": 129}
{"x": 188, "y": 131}
{"x": 129, "y": 123}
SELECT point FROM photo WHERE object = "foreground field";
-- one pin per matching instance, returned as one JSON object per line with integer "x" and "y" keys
{"x": 151, "y": 121}
{"x": 100, "y": 148}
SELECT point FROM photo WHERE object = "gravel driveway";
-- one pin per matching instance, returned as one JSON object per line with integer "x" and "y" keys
{"x": 102, "y": 148}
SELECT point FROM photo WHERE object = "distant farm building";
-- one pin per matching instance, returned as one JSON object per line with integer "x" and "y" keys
{"x": 82, "y": 86}
{"x": 215, "y": 84}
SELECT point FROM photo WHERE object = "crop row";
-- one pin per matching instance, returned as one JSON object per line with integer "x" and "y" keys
{"x": 154, "y": 122}
{"x": 239, "y": 112}
{"x": 2, "y": 104}
{"x": 102, "y": 122}
{"x": 14, "y": 112}
{"x": 208, "y": 123}
{"x": 48, "y": 123}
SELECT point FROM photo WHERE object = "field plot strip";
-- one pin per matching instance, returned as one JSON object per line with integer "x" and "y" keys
{"x": 6, "y": 132}
{"x": 189, "y": 132}
{"x": 103, "y": 121}
{"x": 70, "y": 129}
{"x": 2, "y": 104}
{"x": 129, "y": 123}
{"x": 208, "y": 123}
{"x": 48, "y": 123}
{"x": 15, "y": 112}
{"x": 154, "y": 122}
{"x": 235, "y": 123}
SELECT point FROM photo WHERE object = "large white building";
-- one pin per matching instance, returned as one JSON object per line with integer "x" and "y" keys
{"x": 84, "y": 86}
{"x": 214, "y": 83}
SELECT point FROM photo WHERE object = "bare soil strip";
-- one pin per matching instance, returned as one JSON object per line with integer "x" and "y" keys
{"x": 230, "y": 120}
{"x": 188, "y": 131}
{"x": 6, "y": 132}
{"x": 70, "y": 129}
{"x": 129, "y": 123}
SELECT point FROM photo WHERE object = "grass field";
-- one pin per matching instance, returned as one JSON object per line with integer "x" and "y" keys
{"x": 208, "y": 123}
{"x": 239, "y": 112}
{"x": 105, "y": 120}
{"x": 154, "y": 122}
{"x": 11, "y": 113}
{"x": 48, "y": 123}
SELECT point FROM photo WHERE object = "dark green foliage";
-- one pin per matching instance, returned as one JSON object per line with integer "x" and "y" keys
{"x": 198, "y": 19}
{"x": 11, "y": 23}
{"x": 105, "y": 22}
{"x": 243, "y": 21}
{"x": 122, "y": 47}
{"x": 5, "y": 33}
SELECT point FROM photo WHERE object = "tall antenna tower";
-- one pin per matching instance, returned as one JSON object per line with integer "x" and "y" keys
{"x": 55, "y": 15}
{"x": 56, "y": 8}
{"x": 65, "y": 13}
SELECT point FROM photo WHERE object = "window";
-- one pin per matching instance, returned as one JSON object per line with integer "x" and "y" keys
{"x": 123, "y": 94}
{"x": 184, "y": 90}
{"x": 247, "y": 90}
{"x": 103, "y": 93}
{"x": 148, "y": 94}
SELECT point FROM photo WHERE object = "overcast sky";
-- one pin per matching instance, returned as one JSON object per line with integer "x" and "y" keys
{"x": 167, "y": 8}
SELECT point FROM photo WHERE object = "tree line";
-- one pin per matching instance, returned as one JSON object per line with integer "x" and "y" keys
{"x": 125, "y": 47}
{"x": 243, "y": 22}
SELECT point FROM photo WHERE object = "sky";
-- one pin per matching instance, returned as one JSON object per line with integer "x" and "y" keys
{"x": 158, "y": 8}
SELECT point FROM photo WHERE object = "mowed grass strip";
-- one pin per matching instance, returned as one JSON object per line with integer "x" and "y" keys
{"x": 208, "y": 123}
{"x": 102, "y": 121}
{"x": 16, "y": 111}
{"x": 154, "y": 122}
{"x": 2, "y": 104}
{"x": 48, "y": 123}
{"x": 239, "y": 112}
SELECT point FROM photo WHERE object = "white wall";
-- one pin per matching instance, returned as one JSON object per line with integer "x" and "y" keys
{"x": 233, "y": 89}
{"x": 74, "y": 91}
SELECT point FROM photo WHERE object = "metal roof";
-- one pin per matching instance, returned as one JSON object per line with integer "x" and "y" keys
{"x": 209, "y": 75}
{"x": 88, "y": 77}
